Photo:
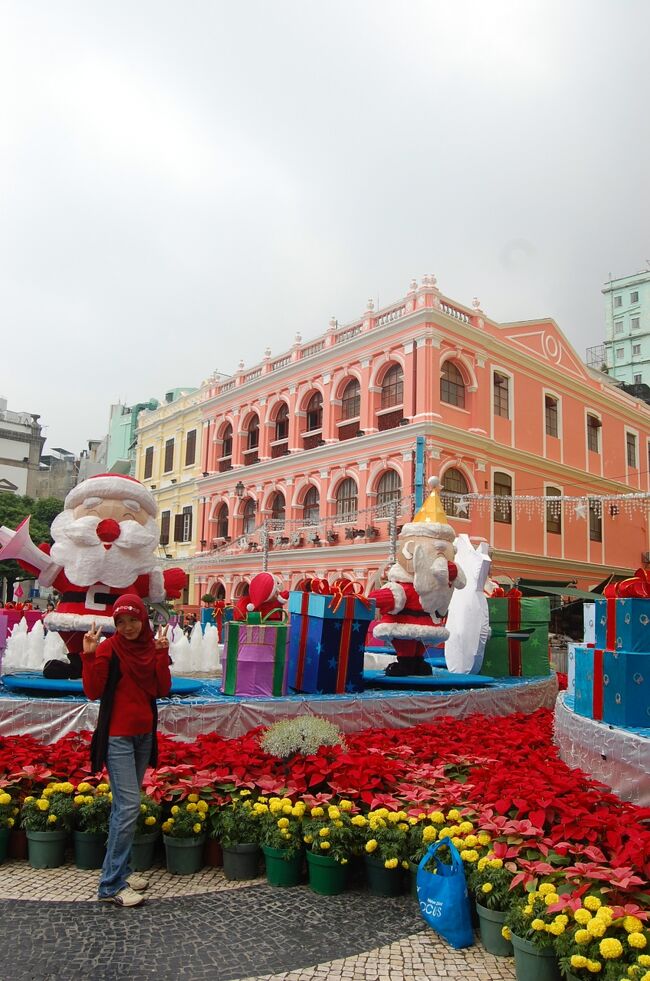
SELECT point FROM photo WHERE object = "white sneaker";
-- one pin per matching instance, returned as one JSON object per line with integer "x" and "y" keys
{"x": 138, "y": 882}
{"x": 127, "y": 897}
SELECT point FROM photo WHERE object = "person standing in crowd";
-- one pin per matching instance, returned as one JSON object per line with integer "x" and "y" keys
{"x": 127, "y": 672}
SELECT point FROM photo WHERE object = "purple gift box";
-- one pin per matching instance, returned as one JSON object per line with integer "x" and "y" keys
{"x": 255, "y": 659}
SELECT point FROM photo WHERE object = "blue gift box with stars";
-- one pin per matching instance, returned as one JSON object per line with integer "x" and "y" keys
{"x": 624, "y": 622}
{"x": 327, "y": 638}
{"x": 626, "y": 686}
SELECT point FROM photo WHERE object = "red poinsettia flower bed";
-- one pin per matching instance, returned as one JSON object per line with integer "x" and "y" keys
{"x": 541, "y": 813}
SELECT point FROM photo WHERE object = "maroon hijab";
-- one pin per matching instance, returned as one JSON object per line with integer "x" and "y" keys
{"x": 137, "y": 657}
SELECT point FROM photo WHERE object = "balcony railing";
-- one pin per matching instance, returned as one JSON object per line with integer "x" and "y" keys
{"x": 225, "y": 464}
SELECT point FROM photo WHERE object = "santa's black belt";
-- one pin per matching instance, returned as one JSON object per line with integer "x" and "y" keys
{"x": 106, "y": 599}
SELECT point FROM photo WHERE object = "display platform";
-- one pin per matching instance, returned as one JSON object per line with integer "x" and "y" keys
{"x": 438, "y": 679}
{"x": 616, "y": 756}
{"x": 28, "y": 681}
{"x": 187, "y": 716}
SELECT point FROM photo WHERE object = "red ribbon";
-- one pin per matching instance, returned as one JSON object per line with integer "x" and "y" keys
{"x": 302, "y": 642}
{"x": 637, "y": 586}
{"x": 514, "y": 623}
{"x": 599, "y": 695}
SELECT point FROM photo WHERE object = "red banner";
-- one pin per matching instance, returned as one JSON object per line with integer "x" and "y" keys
{"x": 597, "y": 712}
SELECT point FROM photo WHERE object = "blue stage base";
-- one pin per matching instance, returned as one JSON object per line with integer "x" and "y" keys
{"x": 48, "y": 719}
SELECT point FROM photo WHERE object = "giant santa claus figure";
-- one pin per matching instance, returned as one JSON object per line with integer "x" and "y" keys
{"x": 414, "y": 602}
{"x": 104, "y": 545}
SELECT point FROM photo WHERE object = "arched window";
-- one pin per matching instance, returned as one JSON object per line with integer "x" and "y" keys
{"x": 241, "y": 589}
{"x": 452, "y": 386}
{"x": 392, "y": 387}
{"x": 253, "y": 433}
{"x": 218, "y": 590}
{"x": 347, "y": 500}
{"x": 311, "y": 507}
{"x": 315, "y": 412}
{"x": 278, "y": 509}
{"x": 250, "y": 509}
{"x": 351, "y": 402}
{"x": 553, "y": 512}
{"x": 282, "y": 422}
{"x": 225, "y": 463}
{"x": 502, "y": 488}
{"x": 221, "y": 518}
{"x": 389, "y": 489}
{"x": 454, "y": 482}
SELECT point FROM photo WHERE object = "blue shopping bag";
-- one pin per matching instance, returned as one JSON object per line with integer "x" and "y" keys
{"x": 443, "y": 897}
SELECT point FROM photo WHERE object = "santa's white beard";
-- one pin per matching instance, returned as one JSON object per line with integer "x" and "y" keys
{"x": 86, "y": 561}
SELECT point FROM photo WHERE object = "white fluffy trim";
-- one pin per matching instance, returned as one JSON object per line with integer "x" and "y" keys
{"x": 117, "y": 487}
{"x": 77, "y": 621}
{"x": 427, "y": 529}
{"x": 397, "y": 574}
{"x": 156, "y": 586}
{"x": 410, "y": 631}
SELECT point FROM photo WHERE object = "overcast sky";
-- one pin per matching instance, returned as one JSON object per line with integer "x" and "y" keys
{"x": 183, "y": 183}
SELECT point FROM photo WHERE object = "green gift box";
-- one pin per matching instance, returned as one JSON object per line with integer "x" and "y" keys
{"x": 518, "y": 645}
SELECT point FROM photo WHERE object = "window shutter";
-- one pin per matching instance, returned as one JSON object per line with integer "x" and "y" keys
{"x": 164, "y": 528}
{"x": 148, "y": 463}
{"x": 178, "y": 528}
{"x": 190, "y": 448}
{"x": 169, "y": 455}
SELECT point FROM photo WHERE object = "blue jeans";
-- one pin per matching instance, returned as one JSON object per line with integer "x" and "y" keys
{"x": 126, "y": 762}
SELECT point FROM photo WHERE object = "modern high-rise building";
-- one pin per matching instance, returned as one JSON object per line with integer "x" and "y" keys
{"x": 627, "y": 329}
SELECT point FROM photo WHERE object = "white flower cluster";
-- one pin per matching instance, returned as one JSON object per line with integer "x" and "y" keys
{"x": 303, "y": 735}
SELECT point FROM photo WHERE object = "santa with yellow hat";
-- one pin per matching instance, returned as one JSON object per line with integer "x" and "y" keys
{"x": 414, "y": 602}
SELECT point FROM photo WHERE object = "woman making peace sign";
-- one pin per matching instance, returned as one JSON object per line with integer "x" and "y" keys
{"x": 128, "y": 672}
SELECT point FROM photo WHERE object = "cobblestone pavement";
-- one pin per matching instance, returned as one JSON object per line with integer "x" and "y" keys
{"x": 204, "y": 927}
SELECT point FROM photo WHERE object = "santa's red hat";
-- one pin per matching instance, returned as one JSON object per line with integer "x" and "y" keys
{"x": 113, "y": 486}
{"x": 262, "y": 588}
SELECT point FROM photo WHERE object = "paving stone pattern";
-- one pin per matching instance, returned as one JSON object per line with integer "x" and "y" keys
{"x": 204, "y": 927}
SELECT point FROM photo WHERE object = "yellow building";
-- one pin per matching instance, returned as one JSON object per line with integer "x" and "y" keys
{"x": 168, "y": 462}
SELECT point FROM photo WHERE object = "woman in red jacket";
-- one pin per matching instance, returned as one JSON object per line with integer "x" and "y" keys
{"x": 128, "y": 672}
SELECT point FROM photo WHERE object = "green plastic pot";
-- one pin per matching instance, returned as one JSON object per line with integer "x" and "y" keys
{"x": 143, "y": 852}
{"x": 241, "y": 861}
{"x": 327, "y": 877}
{"x": 89, "y": 849}
{"x": 4, "y": 843}
{"x": 383, "y": 881}
{"x": 280, "y": 870}
{"x": 533, "y": 963}
{"x": 46, "y": 849}
{"x": 184, "y": 856}
{"x": 490, "y": 924}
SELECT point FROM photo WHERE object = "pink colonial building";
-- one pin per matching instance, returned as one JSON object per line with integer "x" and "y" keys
{"x": 307, "y": 457}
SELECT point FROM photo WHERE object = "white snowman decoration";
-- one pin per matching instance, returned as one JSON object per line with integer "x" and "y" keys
{"x": 468, "y": 620}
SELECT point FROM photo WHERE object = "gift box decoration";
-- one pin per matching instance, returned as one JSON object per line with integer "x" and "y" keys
{"x": 589, "y": 615}
{"x": 623, "y": 623}
{"x": 518, "y": 644}
{"x": 220, "y": 614}
{"x": 571, "y": 668}
{"x": 327, "y": 638}
{"x": 255, "y": 658}
{"x": 613, "y": 686}
{"x": 589, "y": 682}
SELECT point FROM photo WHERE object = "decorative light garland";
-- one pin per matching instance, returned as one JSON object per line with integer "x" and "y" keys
{"x": 536, "y": 505}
